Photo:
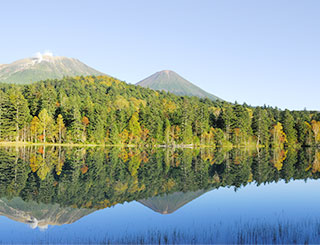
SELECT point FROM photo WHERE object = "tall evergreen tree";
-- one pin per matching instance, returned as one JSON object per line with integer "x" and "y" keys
{"x": 260, "y": 126}
{"x": 60, "y": 128}
{"x": 288, "y": 124}
{"x": 18, "y": 114}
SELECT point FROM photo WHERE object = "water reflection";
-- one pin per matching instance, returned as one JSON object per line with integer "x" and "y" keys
{"x": 44, "y": 186}
{"x": 38, "y": 215}
{"x": 169, "y": 203}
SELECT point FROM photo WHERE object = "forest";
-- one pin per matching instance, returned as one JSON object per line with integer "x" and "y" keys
{"x": 98, "y": 177}
{"x": 105, "y": 111}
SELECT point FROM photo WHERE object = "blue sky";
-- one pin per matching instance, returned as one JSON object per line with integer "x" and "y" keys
{"x": 259, "y": 52}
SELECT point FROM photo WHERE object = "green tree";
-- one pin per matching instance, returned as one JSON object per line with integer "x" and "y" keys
{"x": 260, "y": 126}
{"x": 288, "y": 123}
{"x": 278, "y": 136}
{"x": 187, "y": 135}
{"x": 60, "y": 128}
{"x": 35, "y": 129}
{"x": 46, "y": 125}
{"x": 134, "y": 128}
{"x": 167, "y": 132}
{"x": 241, "y": 123}
{"x": 226, "y": 120}
{"x": 114, "y": 134}
{"x": 76, "y": 127}
{"x": 19, "y": 114}
{"x": 3, "y": 110}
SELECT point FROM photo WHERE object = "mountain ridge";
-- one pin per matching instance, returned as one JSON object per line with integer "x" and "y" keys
{"x": 46, "y": 66}
{"x": 42, "y": 67}
{"x": 172, "y": 82}
{"x": 39, "y": 214}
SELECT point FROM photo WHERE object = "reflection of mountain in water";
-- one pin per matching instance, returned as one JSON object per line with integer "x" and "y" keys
{"x": 38, "y": 214}
{"x": 74, "y": 182}
{"x": 169, "y": 203}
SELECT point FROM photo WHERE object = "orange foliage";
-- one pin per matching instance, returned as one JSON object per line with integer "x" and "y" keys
{"x": 144, "y": 134}
{"x": 41, "y": 150}
{"x": 144, "y": 157}
{"x": 85, "y": 121}
{"x": 279, "y": 137}
{"x": 279, "y": 155}
{"x": 84, "y": 169}
{"x": 33, "y": 164}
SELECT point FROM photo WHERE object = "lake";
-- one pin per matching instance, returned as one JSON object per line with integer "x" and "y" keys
{"x": 131, "y": 195}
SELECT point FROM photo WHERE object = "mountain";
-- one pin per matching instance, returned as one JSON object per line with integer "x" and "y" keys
{"x": 167, "y": 204}
{"x": 43, "y": 66}
{"x": 172, "y": 82}
{"x": 38, "y": 214}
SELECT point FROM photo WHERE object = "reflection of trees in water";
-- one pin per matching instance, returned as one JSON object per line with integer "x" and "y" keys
{"x": 102, "y": 177}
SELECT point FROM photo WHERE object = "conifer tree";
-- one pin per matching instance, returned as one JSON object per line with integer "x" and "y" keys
{"x": 226, "y": 119}
{"x": 260, "y": 126}
{"x": 288, "y": 123}
{"x": 134, "y": 128}
{"x": 19, "y": 114}
{"x": 60, "y": 127}
{"x": 3, "y": 99}
{"x": 114, "y": 134}
{"x": 35, "y": 129}
{"x": 167, "y": 132}
{"x": 75, "y": 132}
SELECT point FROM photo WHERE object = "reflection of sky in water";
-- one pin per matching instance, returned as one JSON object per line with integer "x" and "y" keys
{"x": 223, "y": 208}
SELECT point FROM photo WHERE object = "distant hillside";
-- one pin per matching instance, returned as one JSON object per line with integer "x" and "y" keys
{"x": 174, "y": 83}
{"x": 170, "y": 203}
{"x": 43, "y": 67}
{"x": 39, "y": 214}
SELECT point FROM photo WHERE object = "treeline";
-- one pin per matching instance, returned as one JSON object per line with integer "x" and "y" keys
{"x": 104, "y": 110}
{"x": 103, "y": 177}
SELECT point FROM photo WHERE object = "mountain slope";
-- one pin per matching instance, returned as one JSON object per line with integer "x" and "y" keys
{"x": 38, "y": 214}
{"x": 43, "y": 67}
{"x": 174, "y": 83}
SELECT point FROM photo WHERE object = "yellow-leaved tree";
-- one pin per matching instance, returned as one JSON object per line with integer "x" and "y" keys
{"x": 316, "y": 130}
{"x": 278, "y": 136}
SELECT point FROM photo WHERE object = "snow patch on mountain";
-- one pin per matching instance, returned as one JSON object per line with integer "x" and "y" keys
{"x": 39, "y": 57}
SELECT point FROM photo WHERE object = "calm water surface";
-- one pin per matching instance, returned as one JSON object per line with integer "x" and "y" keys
{"x": 73, "y": 195}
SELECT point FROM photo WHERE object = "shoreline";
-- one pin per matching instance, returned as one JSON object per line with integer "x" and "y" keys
{"x": 184, "y": 146}
{"x": 54, "y": 144}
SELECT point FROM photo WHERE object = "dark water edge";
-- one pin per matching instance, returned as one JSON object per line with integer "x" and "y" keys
{"x": 257, "y": 232}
